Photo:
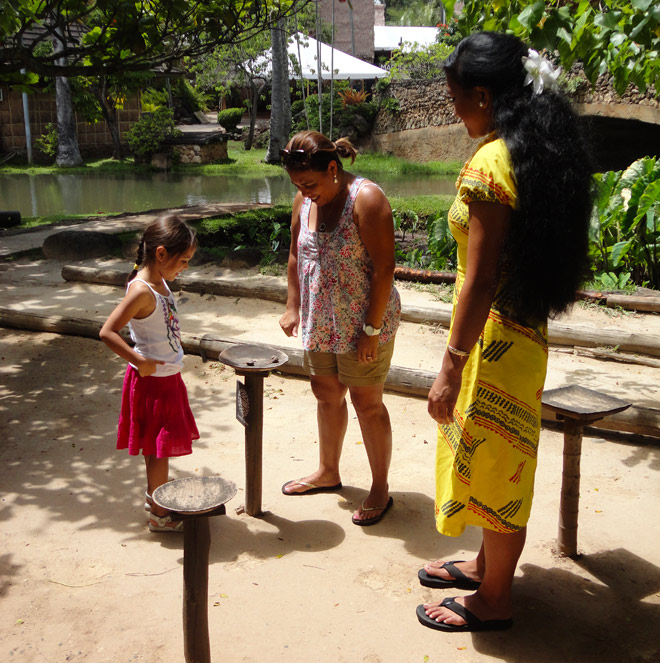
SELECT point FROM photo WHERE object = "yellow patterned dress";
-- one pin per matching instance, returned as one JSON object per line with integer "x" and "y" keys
{"x": 486, "y": 459}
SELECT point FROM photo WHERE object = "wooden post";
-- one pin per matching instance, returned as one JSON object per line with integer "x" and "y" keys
{"x": 196, "y": 544}
{"x": 254, "y": 385}
{"x": 570, "y": 488}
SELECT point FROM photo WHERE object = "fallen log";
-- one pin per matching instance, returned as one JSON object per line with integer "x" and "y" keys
{"x": 633, "y": 303}
{"x": 610, "y": 355}
{"x": 413, "y": 382}
{"x": 558, "y": 333}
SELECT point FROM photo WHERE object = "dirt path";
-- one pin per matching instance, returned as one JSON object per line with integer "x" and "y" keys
{"x": 82, "y": 579}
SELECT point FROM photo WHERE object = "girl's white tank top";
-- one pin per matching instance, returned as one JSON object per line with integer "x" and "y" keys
{"x": 158, "y": 336}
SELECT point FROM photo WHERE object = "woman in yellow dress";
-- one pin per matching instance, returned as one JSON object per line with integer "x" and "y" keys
{"x": 520, "y": 220}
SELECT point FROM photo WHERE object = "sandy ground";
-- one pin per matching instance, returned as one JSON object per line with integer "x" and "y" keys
{"x": 82, "y": 579}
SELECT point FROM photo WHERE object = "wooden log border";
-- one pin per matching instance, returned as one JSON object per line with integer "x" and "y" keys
{"x": 558, "y": 333}
{"x": 408, "y": 381}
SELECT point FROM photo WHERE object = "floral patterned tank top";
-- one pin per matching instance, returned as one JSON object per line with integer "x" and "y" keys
{"x": 334, "y": 271}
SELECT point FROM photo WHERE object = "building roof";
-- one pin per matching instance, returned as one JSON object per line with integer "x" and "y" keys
{"x": 390, "y": 37}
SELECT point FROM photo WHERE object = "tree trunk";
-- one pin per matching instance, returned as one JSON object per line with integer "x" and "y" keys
{"x": 255, "y": 92}
{"x": 68, "y": 152}
{"x": 109, "y": 112}
{"x": 280, "y": 111}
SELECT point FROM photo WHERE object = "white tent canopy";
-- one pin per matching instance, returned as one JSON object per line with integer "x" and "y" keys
{"x": 343, "y": 65}
{"x": 391, "y": 37}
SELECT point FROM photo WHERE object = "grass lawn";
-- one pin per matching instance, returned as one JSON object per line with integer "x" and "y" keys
{"x": 242, "y": 162}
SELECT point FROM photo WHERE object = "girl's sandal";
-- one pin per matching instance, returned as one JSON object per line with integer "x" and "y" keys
{"x": 164, "y": 524}
{"x": 148, "y": 501}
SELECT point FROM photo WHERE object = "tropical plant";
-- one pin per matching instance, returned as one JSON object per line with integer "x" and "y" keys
{"x": 351, "y": 97}
{"x": 621, "y": 37}
{"x": 625, "y": 228}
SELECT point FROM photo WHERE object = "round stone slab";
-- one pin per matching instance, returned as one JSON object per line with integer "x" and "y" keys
{"x": 194, "y": 494}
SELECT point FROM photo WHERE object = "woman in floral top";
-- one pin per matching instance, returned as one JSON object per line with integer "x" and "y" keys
{"x": 341, "y": 295}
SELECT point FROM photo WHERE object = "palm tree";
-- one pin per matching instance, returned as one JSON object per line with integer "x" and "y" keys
{"x": 280, "y": 109}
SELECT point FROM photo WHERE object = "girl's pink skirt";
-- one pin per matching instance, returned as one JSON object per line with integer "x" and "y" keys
{"x": 155, "y": 416}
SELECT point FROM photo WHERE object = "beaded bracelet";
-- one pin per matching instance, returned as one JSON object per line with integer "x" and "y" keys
{"x": 457, "y": 352}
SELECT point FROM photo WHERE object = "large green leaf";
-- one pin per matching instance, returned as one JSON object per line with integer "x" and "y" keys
{"x": 619, "y": 251}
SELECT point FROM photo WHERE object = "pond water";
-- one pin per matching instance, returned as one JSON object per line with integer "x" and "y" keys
{"x": 42, "y": 195}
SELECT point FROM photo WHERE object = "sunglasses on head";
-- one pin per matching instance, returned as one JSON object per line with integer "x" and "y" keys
{"x": 295, "y": 158}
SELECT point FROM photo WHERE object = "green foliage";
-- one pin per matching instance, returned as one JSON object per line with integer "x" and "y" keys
{"x": 625, "y": 228}
{"x": 146, "y": 135}
{"x": 267, "y": 230}
{"x": 189, "y": 97}
{"x": 423, "y": 239}
{"x": 346, "y": 120}
{"x": 47, "y": 142}
{"x": 230, "y": 118}
{"x": 390, "y": 104}
{"x": 128, "y": 36}
{"x": 449, "y": 33}
{"x": 152, "y": 99}
{"x": 414, "y": 12}
{"x": 418, "y": 63}
{"x": 621, "y": 37}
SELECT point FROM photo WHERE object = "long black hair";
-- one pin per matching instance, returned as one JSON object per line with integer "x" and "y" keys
{"x": 546, "y": 253}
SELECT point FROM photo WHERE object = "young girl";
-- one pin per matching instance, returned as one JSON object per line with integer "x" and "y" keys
{"x": 155, "y": 416}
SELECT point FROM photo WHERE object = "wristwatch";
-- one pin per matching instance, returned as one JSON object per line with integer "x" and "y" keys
{"x": 370, "y": 330}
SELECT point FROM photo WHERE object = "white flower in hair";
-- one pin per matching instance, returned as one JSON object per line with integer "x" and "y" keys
{"x": 540, "y": 72}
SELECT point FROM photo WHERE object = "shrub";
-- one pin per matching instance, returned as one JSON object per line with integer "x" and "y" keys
{"x": 230, "y": 118}
{"x": 146, "y": 135}
{"x": 47, "y": 142}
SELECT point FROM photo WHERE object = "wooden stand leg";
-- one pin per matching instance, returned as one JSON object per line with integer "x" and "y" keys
{"x": 570, "y": 488}
{"x": 196, "y": 544}
{"x": 254, "y": 385}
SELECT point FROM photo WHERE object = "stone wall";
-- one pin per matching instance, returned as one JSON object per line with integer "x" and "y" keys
{"x": 93, "y": 138}
{"x": 420, "y": 124}
{"x": 210, "y": 153}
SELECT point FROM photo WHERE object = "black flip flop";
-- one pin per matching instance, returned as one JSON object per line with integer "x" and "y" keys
{"x": 375, "y": 519}
{"x": 458, "y": 580}
{"x": 473, "y": 623}
{"x": 313, "y": 488}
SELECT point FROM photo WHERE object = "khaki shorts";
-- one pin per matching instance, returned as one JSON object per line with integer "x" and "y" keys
{"x": 346, "y": 366}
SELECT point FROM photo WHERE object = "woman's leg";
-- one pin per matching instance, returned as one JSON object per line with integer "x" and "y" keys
{"x": 332, "y": 418}
{"x": 377, "y": 436}
{"x": 157, "y": 475}
{"x": 493, "y": 598}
